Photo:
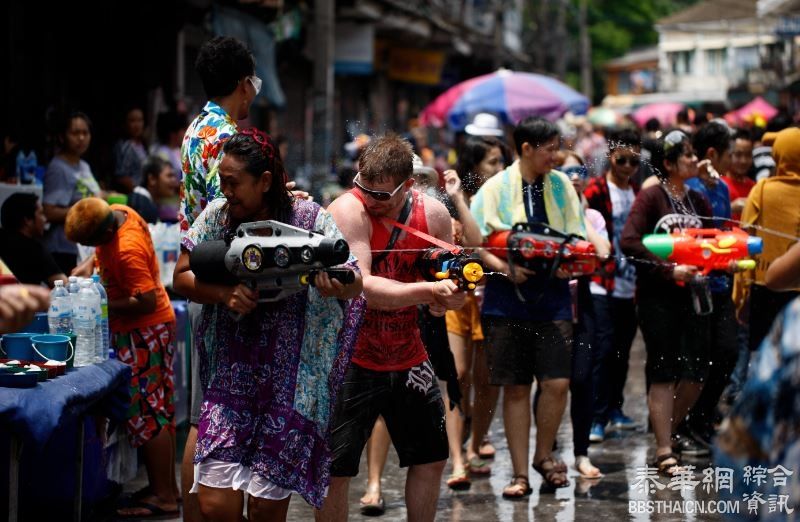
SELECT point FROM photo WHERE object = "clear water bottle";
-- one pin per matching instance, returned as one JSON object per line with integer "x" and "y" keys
{"x": 73, "y": 287}
{"x": 105, "y": 341}
{"x": 59, "y": 315}
{"x": 86, "y": 301}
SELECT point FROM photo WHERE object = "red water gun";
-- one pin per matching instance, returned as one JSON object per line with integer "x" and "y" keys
{"x": 463, "y": 269}
{"x": 541, "y": 248}
{"x": 706, "y": 248}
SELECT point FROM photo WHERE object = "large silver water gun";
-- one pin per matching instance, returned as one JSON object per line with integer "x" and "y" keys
{"x": 274, "y": 258}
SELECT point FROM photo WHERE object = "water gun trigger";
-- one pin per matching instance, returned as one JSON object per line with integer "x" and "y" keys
{"x": 440, "y": 276}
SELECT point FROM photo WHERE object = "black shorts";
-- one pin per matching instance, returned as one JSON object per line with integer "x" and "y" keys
{"x": 410, "y": 403}
{"x": 676, "y": 339}
{"x": 517, "y": 350}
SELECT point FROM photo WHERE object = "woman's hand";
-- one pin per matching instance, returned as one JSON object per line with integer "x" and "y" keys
{"x": 299, "y": 194}
{"x": 684, "y": 273}
{"x": 240, "y": 299}
{"x": 328, "y": 287}
{"x": 452, "y": 184}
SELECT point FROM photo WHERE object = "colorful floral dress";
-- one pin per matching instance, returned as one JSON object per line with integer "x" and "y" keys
{"x": 201, "y": 153}
{"x": 276, "y": 372}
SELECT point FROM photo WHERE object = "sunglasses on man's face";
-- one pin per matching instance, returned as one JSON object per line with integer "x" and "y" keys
{"x": 377, "y": 195}
{"x": 622, "y": 161}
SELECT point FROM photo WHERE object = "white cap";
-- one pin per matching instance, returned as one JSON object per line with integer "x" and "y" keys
{"x": 484, "y": 124}
{"x": 423, "y": 172}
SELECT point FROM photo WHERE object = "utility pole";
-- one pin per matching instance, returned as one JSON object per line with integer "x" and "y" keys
{"x": 585, "y": 50}
{"x": 322, "y": 96}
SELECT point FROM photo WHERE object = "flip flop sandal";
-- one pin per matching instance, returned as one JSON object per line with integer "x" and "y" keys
{"x": 145, "y": 492}
{"x": 478, "y": 466}
{"x": 373, "y": 509}
{"x": 459, "y": 481}
{"x": 548, "y": 474}
{"x": 516, "y": 482}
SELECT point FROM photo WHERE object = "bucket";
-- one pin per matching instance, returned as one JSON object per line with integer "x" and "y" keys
{"x": 17, "y": 346}
{"x": 49, "y": 347}
{"x": 39, "y": 324}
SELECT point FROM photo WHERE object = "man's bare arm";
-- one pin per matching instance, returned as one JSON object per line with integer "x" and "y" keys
{"x": 381, "y": 293}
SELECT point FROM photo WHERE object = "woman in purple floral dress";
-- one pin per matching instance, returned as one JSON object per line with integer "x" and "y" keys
{"x": 271, "y": 378}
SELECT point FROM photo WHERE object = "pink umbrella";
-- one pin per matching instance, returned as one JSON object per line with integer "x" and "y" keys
{"x": 758, "y": 107}
{"x": 664, "y": 112}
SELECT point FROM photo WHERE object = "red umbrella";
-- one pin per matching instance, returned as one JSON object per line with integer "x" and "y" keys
{"x": 758, "y": 107}
{"x": 664, "y": 112}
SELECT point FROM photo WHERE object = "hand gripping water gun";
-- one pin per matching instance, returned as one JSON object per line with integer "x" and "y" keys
{"x": 706, "y": 248}
{"x": 465, "y": 270}
{"x": 539, "y": 247}
{"x": 275, "y": 259}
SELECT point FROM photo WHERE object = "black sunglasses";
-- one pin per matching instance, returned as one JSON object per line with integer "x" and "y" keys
{"x": 622, "y": 161}
{"x": 378, "y": 195}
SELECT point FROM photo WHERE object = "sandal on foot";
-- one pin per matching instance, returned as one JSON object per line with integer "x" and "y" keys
{"x": 373, "y": 509}
{"x": 668, "y": 469}
{"x": 486, "y": 450}
{"x": 583, "y": 460}
{"x": 550, "y": 475}
{"x": 478, "y": 466}
{"x": 459, "y": 480}
{"x": 518, "y": 488}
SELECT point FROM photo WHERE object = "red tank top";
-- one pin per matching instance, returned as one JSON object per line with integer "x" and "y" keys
{"x": 389, "y": 340}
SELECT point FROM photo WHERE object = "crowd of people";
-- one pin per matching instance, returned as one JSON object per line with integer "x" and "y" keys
{"x": 287, "y": 395}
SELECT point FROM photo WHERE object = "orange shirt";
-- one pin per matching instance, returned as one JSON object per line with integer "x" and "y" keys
{"x": 128, "y": 267}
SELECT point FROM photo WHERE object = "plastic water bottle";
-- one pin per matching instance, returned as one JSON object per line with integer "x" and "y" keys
{"x": 105, "y": 342}
{"x": 59, "y": 315}
{"x": 86, "y": 301}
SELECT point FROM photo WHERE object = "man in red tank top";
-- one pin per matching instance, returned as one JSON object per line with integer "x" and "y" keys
{"x": 390, "y": 374}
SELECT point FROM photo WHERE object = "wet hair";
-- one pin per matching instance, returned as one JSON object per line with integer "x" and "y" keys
{"x": 652, "y": 125}
{"x": 221, "y": 63}
{"x": 471, "y": 153}
{"x": 152, "y": 167}
{"x": 167, "y": 123}
{"x": 743, "y": 134}
{"x": 682, "y": 116}
{"x": 663, "y": 152}
{"x": 711, "y": 135}
{"x": 16, "y": 209}
{"x": 624, "y": 138}
{"x": 388, "y": 156}
{"x": 259, "y": 153}
{"x": 534, "y": 130}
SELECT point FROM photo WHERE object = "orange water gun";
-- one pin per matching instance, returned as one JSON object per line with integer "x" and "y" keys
{"x": 706, "y": 248}
{"x": 541, "y": 248}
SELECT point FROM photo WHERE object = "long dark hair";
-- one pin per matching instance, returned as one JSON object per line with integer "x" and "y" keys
{"x": 470, "y": 155}
{"x": 259, "y": 153}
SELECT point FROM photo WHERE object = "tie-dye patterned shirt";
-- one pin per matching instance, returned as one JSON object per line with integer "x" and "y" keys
{"x": 201, "y": 153}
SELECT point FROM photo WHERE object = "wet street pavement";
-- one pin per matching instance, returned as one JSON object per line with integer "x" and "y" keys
{"x": 604, "y": 499}
{"x": 618, "y": 457}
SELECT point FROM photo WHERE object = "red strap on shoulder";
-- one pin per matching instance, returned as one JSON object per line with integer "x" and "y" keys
{"x": 453, "y": 249}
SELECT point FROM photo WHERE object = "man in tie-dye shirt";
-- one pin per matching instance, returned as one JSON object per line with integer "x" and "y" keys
{"x": 227, "y": 70}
